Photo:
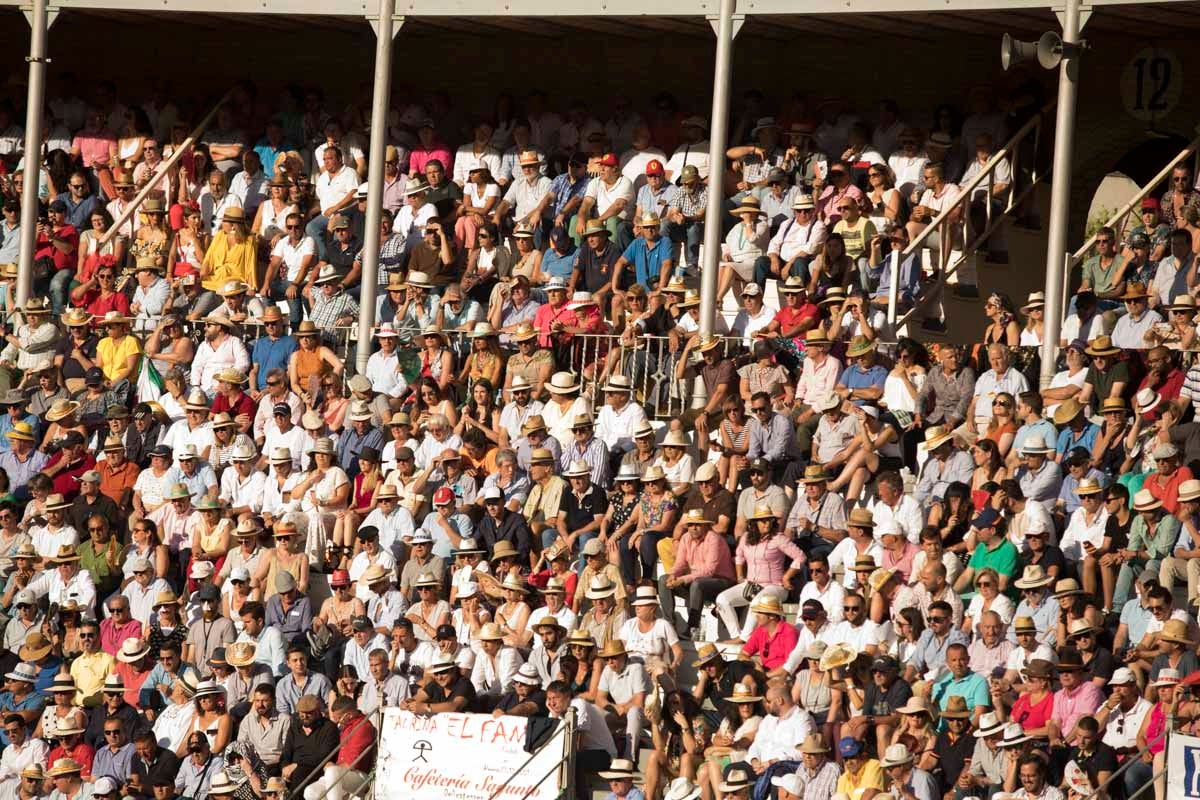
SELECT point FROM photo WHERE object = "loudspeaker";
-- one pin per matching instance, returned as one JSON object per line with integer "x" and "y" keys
{"x": 1048, "y": 50}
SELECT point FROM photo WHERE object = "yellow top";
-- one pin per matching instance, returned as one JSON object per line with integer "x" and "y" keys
{"x": 227, "y": 261}
{"x": 870, "y": 776}
{"x": 111, "y": 356}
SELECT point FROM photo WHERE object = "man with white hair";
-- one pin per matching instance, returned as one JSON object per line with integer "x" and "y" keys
{"x": 439, "y": 436}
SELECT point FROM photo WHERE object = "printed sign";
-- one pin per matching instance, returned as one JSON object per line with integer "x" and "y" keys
{"x": 463, "y": 757}
{"x": 1151, "y": 84}
{"x": 1183, "y": 767}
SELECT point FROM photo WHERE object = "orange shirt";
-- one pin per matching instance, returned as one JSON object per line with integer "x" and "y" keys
{"x": 487, "y": 464}
{"x": 115, "y": 480}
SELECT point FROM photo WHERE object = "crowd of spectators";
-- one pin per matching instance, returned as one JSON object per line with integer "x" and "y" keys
{"x": 849, "y": 569}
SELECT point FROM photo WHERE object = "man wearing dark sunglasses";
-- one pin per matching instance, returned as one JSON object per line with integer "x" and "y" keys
{"x": 1179, "y": 196}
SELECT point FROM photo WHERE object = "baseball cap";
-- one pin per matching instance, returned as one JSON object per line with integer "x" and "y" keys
{"x": 492, "y": 493}
{"x": 849, "y": 747}
{"x": 91, "y": 476}
{"x": 1139, "y": 240}
{"x": 1150, "y": 202}
{"x": 443, "y": 496}
{"x": 362, "y": 191}
{"x": 105, "y": 785}
{"x": 811, "y": 609}
{"x": 751, "y": 290}
{"x": 93, "y": 377}
{"x": 1121, "y": 677}
{"x": 655, "y": 167}
{"x": 445, "y": 632}
{"x": 760, "y": 464}
{"x": 361, "y": 624}
{"x": 986, "y": 518}
{"x": 282, "y": 408}
{"x": 610, "y": 160}
{"x": 884, "y": 664}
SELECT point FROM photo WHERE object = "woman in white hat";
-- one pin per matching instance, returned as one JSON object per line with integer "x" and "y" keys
{"x": 485, "y": 361}
{"x": 565, "y": 404}
{"x": 652, "y": 519}
{"x": 323, "y": 493}
{"x": 675, "y": 460}
{"x": 649, "y": 635}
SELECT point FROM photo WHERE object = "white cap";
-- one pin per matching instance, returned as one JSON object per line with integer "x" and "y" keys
{"x": 25, "y": 598}
{"x": 239, "y": 574}
{"x": 421, "y": 536}
{"x": 1121, "y": 677}
{"x": 201, "y": 569}
{"x": 140, "y": 565}
{"x": 363, "y": 188}
{"x": 105, "y": 785}
{"x": 492, "y": 493}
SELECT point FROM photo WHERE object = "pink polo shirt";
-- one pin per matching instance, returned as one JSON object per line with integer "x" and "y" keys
{"x": 816, "y": 382}
{"x": 1070, "y": 706}
{"x": 708, "y": 557}
{"x": 903, "y": 562}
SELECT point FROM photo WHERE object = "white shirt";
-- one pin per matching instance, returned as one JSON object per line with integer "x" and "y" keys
{"x": 272, "y": 652}
{"x": 272, "y": 502}
{"x": 294, "y": 440}
{"x": 844, "y": 554}
{"x": 493, "y": 680}
{"x": 1130, "y": 333}
{"x": 564, "y": 616}
{"x": 605, "y": 195}
{"x": 907, "y": 515}
{"x": 241, "y": 492}
{"x": 694, "y": 154}
{"x": 1123, "y": 726}
{"x": 79, "y": 588}
{"x": 141, "y": 601}
{"x": 293, "y": 255}
{"x": 633, "y": 164}
{"x": 869, "y": 633}
{"x": 180, "y": 434}
{"x": 990, "y": 384}
{"x": 1001, "y": 174}
{"x": 615, "y": 428}
{"x": 13, "y": 760}
{"x": 331, "y": 188}
{"x": 356, "y": 655}
{"x": 209, "y": 361}
{"x": 746, "y": 326}
{"x": 393, "y": 528}
{"x": 46, "y": 543}
{"x": 411, "y": 225}
{"x": 250, "y": 189}
{"x": 465, "y": 160}
{"x": 777, "y": 739}
{"x": 794, "y": 237}
{"x": 1079, "y": 531}
{"x": 383, "y": 371}
{"x": 513, "y": 416}
{"x": 832, "y": 597}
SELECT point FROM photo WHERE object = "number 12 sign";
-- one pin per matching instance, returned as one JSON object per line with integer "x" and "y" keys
{"x": 1151, "y": 84}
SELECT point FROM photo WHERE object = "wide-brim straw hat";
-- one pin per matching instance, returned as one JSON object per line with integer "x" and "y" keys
{"x": 1067, "y": 410}
{"x": 620, "y": 769}
{"x": 839, "y": 655}
{"x": 935, "y": 437}
{"x": 562, "y": 383}
{"x": 743, "y": 694}
{"x": 1033, "y": 577}
{"x": 241, "y": 654}
{"x": 1101, "y": 346}
{"x": 61, "y": 409}
{"x": 750, "y": 205}
{"x": 612, "y": 649}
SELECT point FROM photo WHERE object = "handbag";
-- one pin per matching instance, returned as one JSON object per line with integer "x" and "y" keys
{"x": 750, "y": 591}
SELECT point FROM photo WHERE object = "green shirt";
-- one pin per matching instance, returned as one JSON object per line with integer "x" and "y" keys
{"x": 1099, "y": 278}
{"x": 1003, "y": 559}
{"x": 107, "y": 578}
{"x": 1158, "y": 544}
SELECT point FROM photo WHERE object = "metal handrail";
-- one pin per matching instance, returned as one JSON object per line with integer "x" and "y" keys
{"x": 1129, "y": 762}
{"x": 1192, "y": 148}
{"x": 325, "y": 761}
{"x": 569, "y": 724}
{"x": 965, "y": 192}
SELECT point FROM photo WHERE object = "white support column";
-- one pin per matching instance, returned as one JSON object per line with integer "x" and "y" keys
{"x": 385, "y": 30}
{"x": 1060, "y": 188}
{"x": 40, "y": 20}
{"x": 726, "y": 28}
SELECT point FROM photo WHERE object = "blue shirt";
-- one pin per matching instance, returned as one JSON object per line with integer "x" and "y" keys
{"x": 198, "y": 482}
{"x": 10, "y": 244}
{"x": 116, "y": 765}
{"x": 32, "y": 702}
{"x": 80, "y": 214}
{"x": 648, "y": 261}
{"x": 6, "y": 425}
{"x": 565, "y": 191}
{"x": 909, "y": 283}
{"x": 930, "y": 653}
{"x": 1087, "y": 440}
{"x": 1136, "y": 619}
{"x": 557, "y": 266}
{"x": 269, "y": 354}
{"x": 973, "y": 688}
{"x": 267, "y": 153}
{"x": 350, "y": 444}
{"x": 658, "y": 202}
{"x": 853, "y": 377}
{"x": 1043, "y": 426}
{"x": 1045, "y": 619}
{"x": 46, "y": 674}
{"x": 442, "y": 548}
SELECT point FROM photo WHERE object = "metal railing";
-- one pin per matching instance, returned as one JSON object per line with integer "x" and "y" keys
{"x": 372, "y": 748}
{"x": 950, "y": 230}
{"x": 567, "y": 760}
{"x": 1117, "y": 220}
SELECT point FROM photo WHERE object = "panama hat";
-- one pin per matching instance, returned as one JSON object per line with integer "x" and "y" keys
{"x": 1067, "y": 587}
{"x": 36, "y": 648}
{"x": 645, "y": 596}
{"x": 956, "y": 708}
{"x": 221, "y": 782}
{"x": 838, "y": 655}
{"x": 133, "y": 650}
{"x": 989, "y": 725}
{"x": 915, "y": 705}
{"x": 936, "y": 436}
{"x": 750, "y": 205}
{"x": 66, "y": 554}
{"x": 653, "y": 473}
{"x": 708, "y": 342}
{"x": 562, "y": 383}
{"x": 895, "y": 756}
{"x": 114, "y": 318}
{"x": 860, "y": 345}
{"x": 490, "y": 632}
{"x": 767, "y": 604}
{"x": 1035, "y": 300}
{"x": 580, "y": 638}
{"x": 675, "y": 439}
{"x": 64, "y": 766}
{"x": 1067, "y": 410}
{"x": 814, "y": 744}
{"x": 600, "y": 587}
{"x": 736, "y": 780}
{"x": 241, "y": 654}
{"x": 1113, "y": 404}
{"x": 618, "y": 383}
{"x": 1166, "y": 677}
{"x": 1033, "y": 577}
{"x": 1089, "y": 486}
{"x": 523, "y": 332}
{"x": 1175, "y": 630}
{"x": 1024, "y": 625}
{"x": 1036, "y": 444}
{"x": 1145, "y": 501}
{"x": 814, "y": 473}
{"x": 503, "y": 549}
{"x": 61, "y": 409}
{"x": 743, "y": 694}
{"x": 514, "y": 582}
{"x": 861, "y": 518}
{"x": 1080, "y": 627}
{"x": 1189, "y": 490}
{"x": 56, "y": 502}
{"x": 705, "y": 653}
{"x": 1101, "y": 346}
{"x": 21, "y": 431}
{"x": 233, "y": 289}
{"x": 762, "y": 511}
{"x": 621, "y": 769}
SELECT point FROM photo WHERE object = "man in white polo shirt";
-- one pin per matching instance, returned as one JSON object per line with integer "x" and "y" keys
{"x": 335, "y": 188}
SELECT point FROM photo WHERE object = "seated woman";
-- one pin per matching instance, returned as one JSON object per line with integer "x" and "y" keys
{"x": 680, "y": 734}
{"x": 739, "y": 725}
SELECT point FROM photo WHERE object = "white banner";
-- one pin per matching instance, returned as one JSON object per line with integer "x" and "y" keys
{"x": 1183, "y": 767}
{"x": 463, "y": 757}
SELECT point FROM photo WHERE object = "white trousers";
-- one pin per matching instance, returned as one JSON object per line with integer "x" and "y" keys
{"x": 734, "y": 598}
{"x": 337, "y": 783}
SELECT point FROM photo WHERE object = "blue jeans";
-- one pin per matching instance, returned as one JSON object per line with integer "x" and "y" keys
{"x": 60, "y": 285}
{"x": 295, "y": 307}
{"x": 1127, "y": 576}
{"x": 317, "y": 227}
{"x": 762, "y": 270}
